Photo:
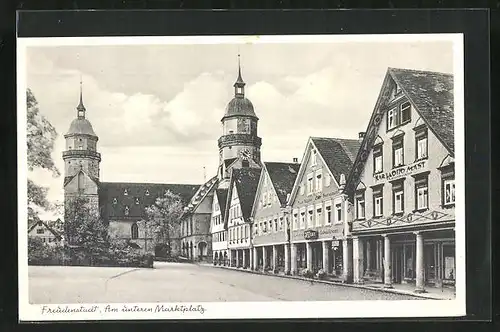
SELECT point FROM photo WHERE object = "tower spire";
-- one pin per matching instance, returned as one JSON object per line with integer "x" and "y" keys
{"x": 239, "y": 84}
{"x": 81, "y": 108}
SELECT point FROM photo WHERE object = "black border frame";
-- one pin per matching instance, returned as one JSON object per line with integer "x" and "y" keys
{"x": 473, "y": 23}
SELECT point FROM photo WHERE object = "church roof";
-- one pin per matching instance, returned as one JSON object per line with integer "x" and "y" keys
{"x": 339, "y": 154}
{"x": 432, "y": 95}
{"x": 81, "y": 126}
{"x": 283, "y": 177}
{"x": 239, "y": 106}
{"x": 136, "y": 196}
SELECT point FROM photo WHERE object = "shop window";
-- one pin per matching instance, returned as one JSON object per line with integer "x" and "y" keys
{"x": 360, "y": 205}
{"x": 378, "y": 202}
{"x": 448, "y": 192}
{"x": 377, "y": 159}
{"x": 421, "y": 192}
{"x": 398, "y": 197}
{"x": 134, "y": 230}
{"x": 421, "y": 142}
{"x": 449, "y": 262}
{"x": 409, "y": 261}
{"x": 397, "y": 152}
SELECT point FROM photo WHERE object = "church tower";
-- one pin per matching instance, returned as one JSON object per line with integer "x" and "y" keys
{"x": 81, "y": 159}
{"x": 239, "y": 145}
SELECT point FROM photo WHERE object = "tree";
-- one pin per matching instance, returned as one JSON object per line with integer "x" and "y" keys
{"x": 84, "y": 230}
{"x": 163, "y": 218}
{"x": 41, "y": 136}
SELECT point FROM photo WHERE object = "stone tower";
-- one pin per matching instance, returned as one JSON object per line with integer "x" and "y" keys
{"x": 81, "y": 159}
{"x": 239, "y": 145}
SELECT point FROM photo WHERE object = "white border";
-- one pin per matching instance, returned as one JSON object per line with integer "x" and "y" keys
{"x": 257, "y": 310}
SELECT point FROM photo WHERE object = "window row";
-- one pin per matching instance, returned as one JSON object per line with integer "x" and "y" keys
{"x": 421, "y": 194}
{"x": 219, "y": 236}
{"x": 239, "y": 233}
{"x": 217, "y": 220}
{"x": 267, "y": 198}
{"x": 314, "y": 216}
{"x": 315, "y": 183}
{"x": 398, "y": 158}
{"x": 269, "y": 226}
{"x": 137, "y": 201}
{"x": 125, "y": 192}
{"x": 235, "y": 212}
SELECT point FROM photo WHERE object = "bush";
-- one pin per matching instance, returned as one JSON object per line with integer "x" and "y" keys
{"x": 41, "y": 253}
{"x": 321, "y": 275}
{"x": 306, "y": 273}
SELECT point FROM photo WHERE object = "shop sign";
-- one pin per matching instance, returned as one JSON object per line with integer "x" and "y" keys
{"x": 335, "y": 243}
{"x": 400, "y": 172}
{"x": 310, "y": 234}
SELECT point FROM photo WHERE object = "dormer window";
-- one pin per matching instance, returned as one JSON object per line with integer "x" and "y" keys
{"x": 147, "y": 192}
{"x": 115, "y": 201}
{"x": 125, "y": 192}
{"x": 137, "y": 200}
{"x": 127, "y": 210}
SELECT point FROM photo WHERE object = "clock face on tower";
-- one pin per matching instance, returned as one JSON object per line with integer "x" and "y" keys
{"x": 246, "y": 154}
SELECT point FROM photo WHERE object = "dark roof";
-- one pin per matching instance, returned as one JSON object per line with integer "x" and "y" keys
{"x": 81, "y": 126}
{"x": 246, "y": 181}
{"x": 221, "y": 198}
{"x": 239, "y": 106}
{"x": 432, "y": 94}
{"x": 201, "y": 193}
{"x": 339, "y": 154}
{"x": 229, "y": 161}
{"x": 283, "y": 177}
{"x": 110, "y": 190}
{"x": 35, "y": 223}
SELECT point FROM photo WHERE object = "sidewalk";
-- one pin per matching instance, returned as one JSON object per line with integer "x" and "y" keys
{"x": 404, "y": 289}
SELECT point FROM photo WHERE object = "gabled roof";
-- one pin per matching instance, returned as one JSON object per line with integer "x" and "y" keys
{"x": 431, "y": 94}
{"x": 200, "y": 195}
{"x": 221, "y": 199}
{"x": 146, "y": 193}
{"x": 282, "y": 177}
{"x": 245, "y": 180}
{"x": 338, "y": 153}
{"x": 53, "y": 231}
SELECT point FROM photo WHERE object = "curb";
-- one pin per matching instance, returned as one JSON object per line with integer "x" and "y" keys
{"x": 337, "y": 283}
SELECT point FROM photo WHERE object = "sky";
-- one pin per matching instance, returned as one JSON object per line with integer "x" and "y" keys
{"x": 157, "y": 108}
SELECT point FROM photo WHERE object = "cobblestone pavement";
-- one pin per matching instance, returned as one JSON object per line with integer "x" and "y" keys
{"x": 176, "y": 282}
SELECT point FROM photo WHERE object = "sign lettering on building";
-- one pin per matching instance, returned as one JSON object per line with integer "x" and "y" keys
{"x": 310, "y": 234}
{"x": 400, "y": 172}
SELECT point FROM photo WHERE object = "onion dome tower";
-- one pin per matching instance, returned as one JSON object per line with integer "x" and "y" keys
{"x": 239, "y": 140}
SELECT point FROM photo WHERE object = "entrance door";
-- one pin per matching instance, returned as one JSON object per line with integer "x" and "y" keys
{"x": 397, "y": 264}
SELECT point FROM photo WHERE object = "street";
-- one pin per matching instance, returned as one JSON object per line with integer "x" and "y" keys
{"x": 179, "y": 282}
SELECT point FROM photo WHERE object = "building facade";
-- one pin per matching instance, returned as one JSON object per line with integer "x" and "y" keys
{"x": 271, "y": 233}
{"x": 240, "y": 198}
{"x": 318, "y": 208}
{"x": 41, "y": 230}
{"x": 402, "y": 184}
{"x": 218, "y": 230}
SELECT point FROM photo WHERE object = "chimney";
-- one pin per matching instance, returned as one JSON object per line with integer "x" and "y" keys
{"x": 296, "y": 160}
{"x": 361, "y": 135}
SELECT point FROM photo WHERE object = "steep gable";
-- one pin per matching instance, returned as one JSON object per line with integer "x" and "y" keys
{"x": 282, "y": 177}
{"x": 245, "y": 181}
{"x": 431, "y": 95}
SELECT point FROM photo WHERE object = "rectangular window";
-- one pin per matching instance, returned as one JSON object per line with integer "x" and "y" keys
{"x": 328, "y": 214}
{"x": 405, "y": 112}
{"x": 338, "y": 213}
{"x": 310, "y": 215}
{"x": 421, "y": 143}
{"x": 449, "y": 192}
{"x": 40, "y": 231}
{"x": 328, "y": 180}
{"x": 377, "y": 159}
{"x": 310, "y": 184}
{"x": 397, "y": 197}
{"x": 422, "y": 193}
{"x": 301, "y": 189}
{"x": 392, "y": 115}
{"x": 281, "y": 223}
{"x": 378, "y": 203}
{"x": 397, "y": 153}
{"x": 360, "y": 205}
{"x": 319, "y": 183}
{"x": 303, "y": 219}
{"x": 318, "y": 216}
{"x": 314, "y": 158}
{"x": 296, "y": 220}
{"x": 275, "y": 225}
